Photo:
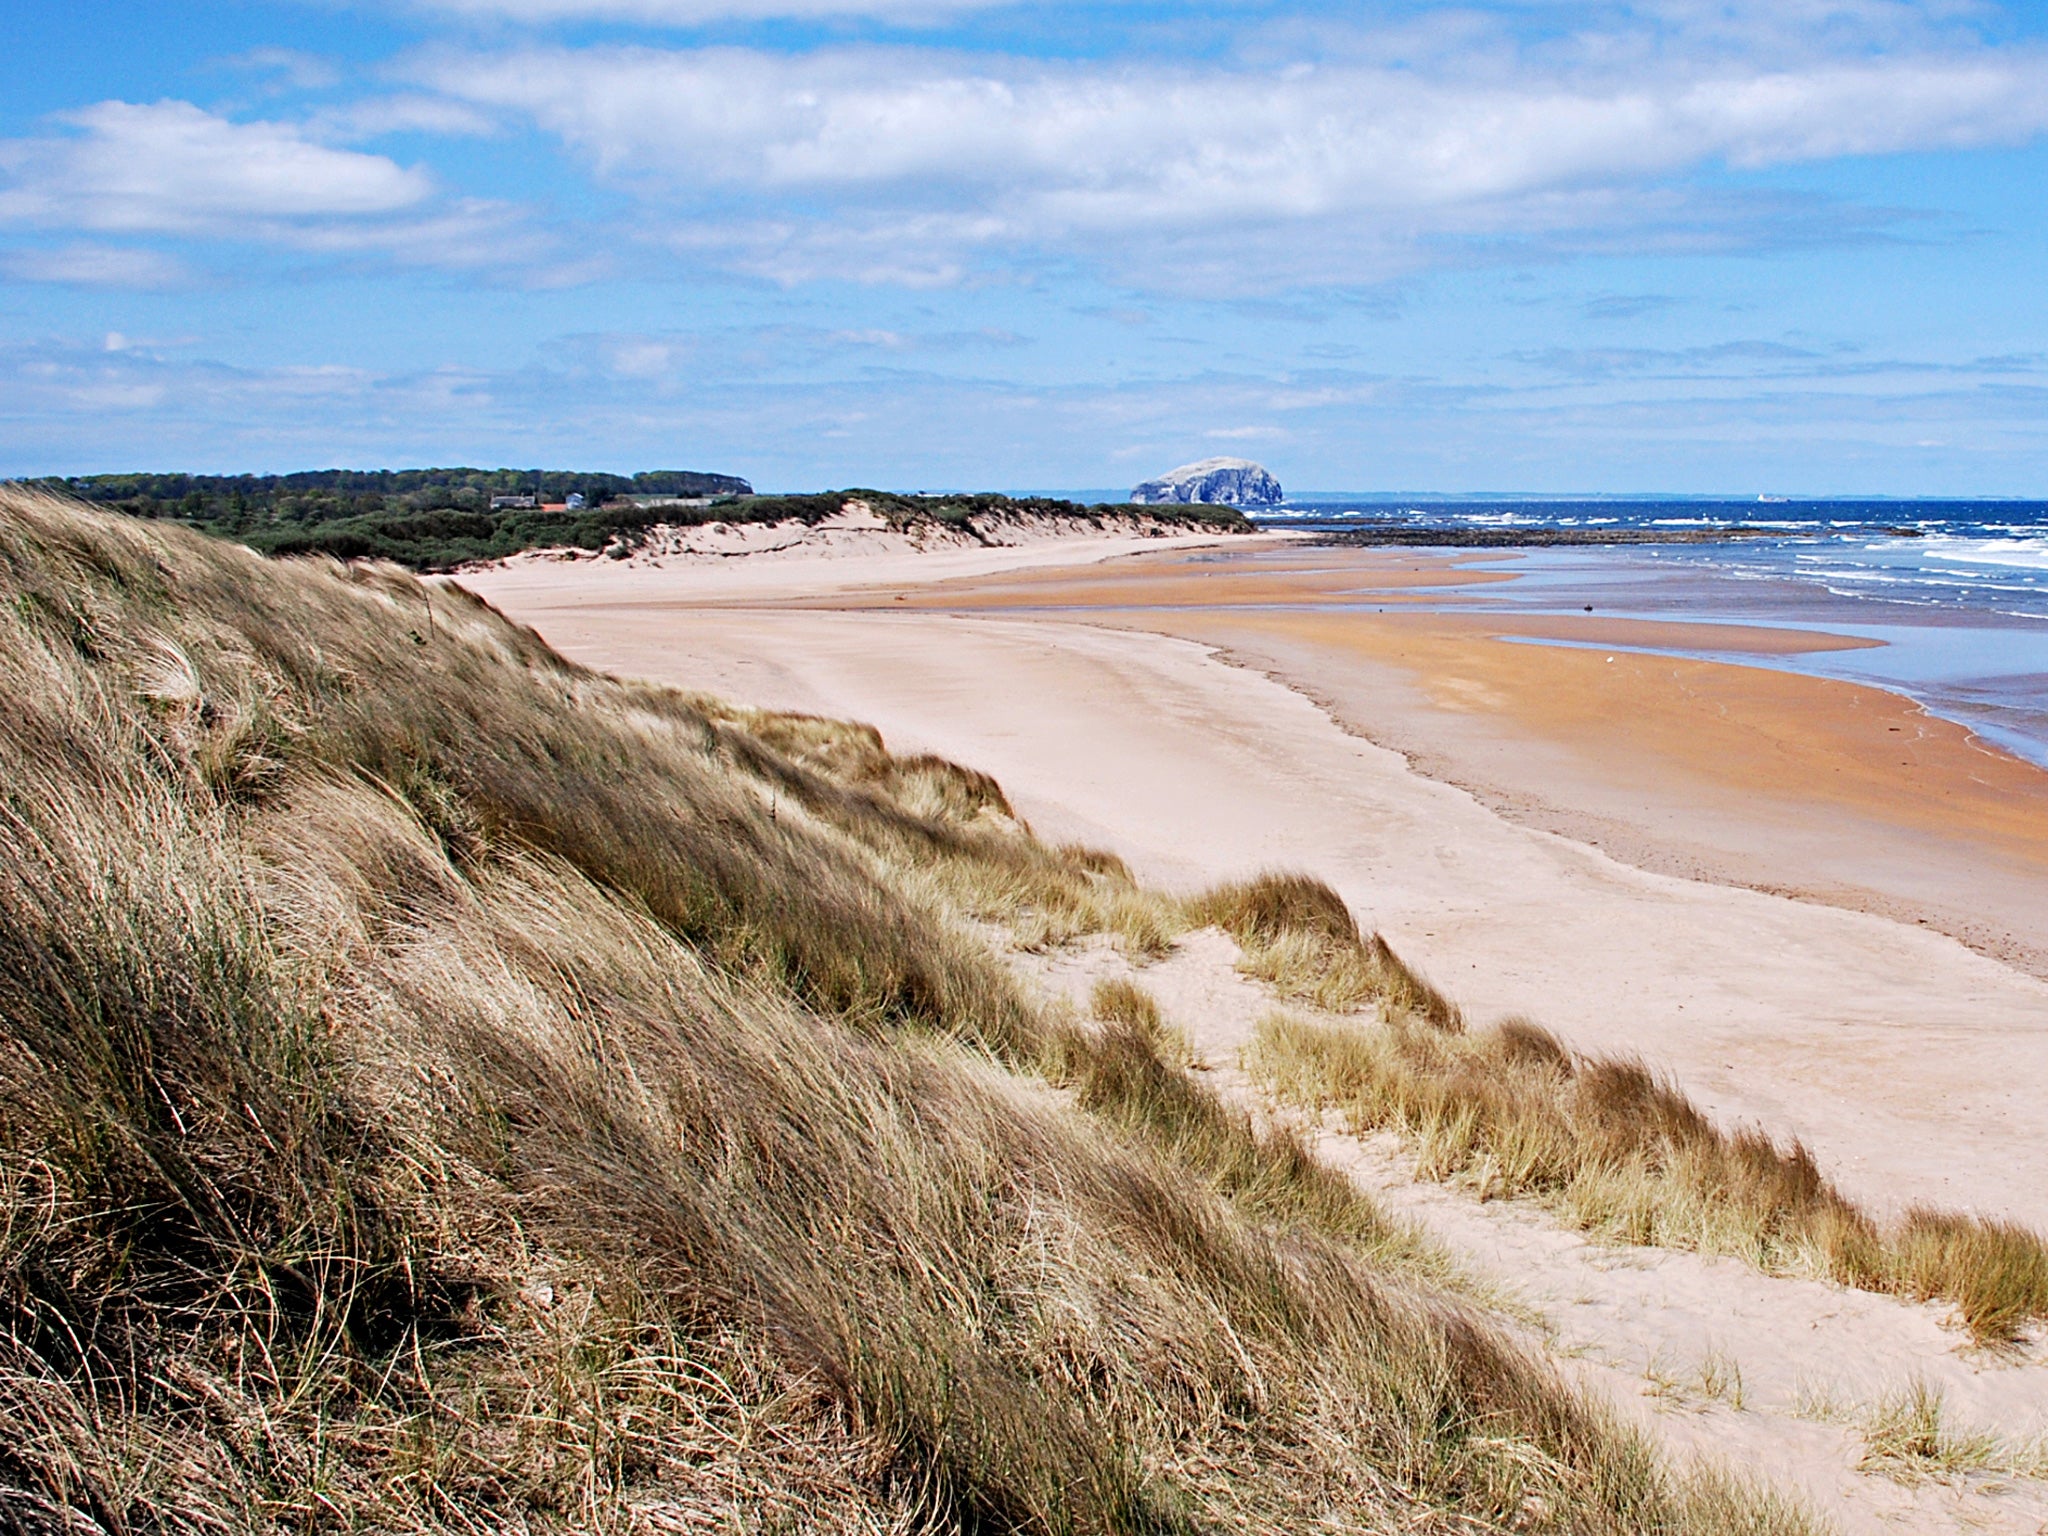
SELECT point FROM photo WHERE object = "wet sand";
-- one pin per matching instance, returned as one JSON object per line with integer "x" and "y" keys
{"x": 1805, "y": 786}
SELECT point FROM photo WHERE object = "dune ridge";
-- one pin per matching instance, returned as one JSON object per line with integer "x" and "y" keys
{"x": 446, "y": 1086}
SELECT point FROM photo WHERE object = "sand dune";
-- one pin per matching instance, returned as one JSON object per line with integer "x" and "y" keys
{"x": 1905, "y": 1059}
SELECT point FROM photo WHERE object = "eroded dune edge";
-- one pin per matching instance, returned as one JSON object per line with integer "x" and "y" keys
{"x": 448, "y": 1088}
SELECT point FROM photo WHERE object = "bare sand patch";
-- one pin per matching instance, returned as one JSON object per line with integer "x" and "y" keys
{"x": 855, "y": 549}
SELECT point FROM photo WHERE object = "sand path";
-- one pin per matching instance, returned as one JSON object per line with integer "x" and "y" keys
{"x": 1777, "y": 1377}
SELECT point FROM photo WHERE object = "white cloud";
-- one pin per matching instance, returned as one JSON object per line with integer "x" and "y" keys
{"x": 376, "y": 116}
{"x": 1126, "y": 147}
{"x": 907, "y": 162}
{"x": 469, "y": 232}
{"x": 296, "y": 68}
{"x": 1742, "y": 21}
{"x": 922, "y": 168}
{"x": 677, "y": 359}
{"x": 170, "y": 167}
{"x": 636, "y": 358}
{"x": 95, "y": 266}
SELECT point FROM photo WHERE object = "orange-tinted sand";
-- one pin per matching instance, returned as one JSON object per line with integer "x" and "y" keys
{"x": 1746, "y": 774}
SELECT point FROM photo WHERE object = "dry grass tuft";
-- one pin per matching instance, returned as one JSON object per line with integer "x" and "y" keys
{"x": 1298, "y": 935}
{"x": 1621, "y": 1153}
{"x": 1123, "y": 1003}
{"x": 1907, "y": 1437}
{"x": 1720, "y": 1378}
{"x": 951, "y": 832}
{"x": 1134, "y": 1072}
{"x": 445, "y": 1089}
{"x": 1996, "y": 1272}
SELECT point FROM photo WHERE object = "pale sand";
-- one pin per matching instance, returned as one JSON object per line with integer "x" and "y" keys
{"x": 850, "y": 552}
{"x": 1909, "y": 1062}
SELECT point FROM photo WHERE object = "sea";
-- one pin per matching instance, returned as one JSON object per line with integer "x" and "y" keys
{"x": 1954, "y": 592}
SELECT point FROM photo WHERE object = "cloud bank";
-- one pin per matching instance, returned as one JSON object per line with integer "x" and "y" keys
{"x": 1340, "y": 164}
{"x": 695, "y": 13}
{"x": 1124, "y": 147}
{"x": 785, "y": 158}
{"x": 171, "y": 167}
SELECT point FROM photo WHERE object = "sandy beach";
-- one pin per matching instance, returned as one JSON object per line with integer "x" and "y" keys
{"x": 1805, "y": 901}
{"x": 1809, "y": 901}
{"x": 1737, "y": 774}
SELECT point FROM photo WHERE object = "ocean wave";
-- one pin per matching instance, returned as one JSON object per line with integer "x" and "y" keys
{"x": 2019, "y": 553}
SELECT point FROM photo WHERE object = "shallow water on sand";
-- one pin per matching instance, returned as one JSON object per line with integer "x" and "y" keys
{"x": 1975, "y": 652}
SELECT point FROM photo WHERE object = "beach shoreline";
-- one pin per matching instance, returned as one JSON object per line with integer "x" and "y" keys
{"x": 1613, "y": 730}
{"x": 1898, "y": 1054}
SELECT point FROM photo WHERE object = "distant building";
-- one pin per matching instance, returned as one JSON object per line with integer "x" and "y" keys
{"x": 504, "y": 503}
{"x": 575, "y": 503}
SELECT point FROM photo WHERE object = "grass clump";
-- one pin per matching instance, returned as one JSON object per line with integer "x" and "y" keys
{"x": 1907, "y": 1436}
{"x": 1995, "y": 1271}
{"x": 1134, "y": 1073}
{"x": 442, "y": 1088}
{"x": 1615, "y": 1149}
{"x": 951, "y": 832}
{"x": 1621, "y": 1153}
{"x": 1298, "y": 935}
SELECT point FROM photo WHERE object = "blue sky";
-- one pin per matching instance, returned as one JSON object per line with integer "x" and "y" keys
{"x": 1721, "y": 246}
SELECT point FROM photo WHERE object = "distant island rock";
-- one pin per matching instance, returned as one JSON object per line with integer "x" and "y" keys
{"x": 1223, "y": 482}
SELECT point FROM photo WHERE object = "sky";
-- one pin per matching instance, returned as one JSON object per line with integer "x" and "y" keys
{"x": 1738, "y": 247}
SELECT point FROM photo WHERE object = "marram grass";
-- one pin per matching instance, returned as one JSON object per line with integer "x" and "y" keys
{"x": 1620, "y": 1153}
{"x": 443, "y": 1089}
